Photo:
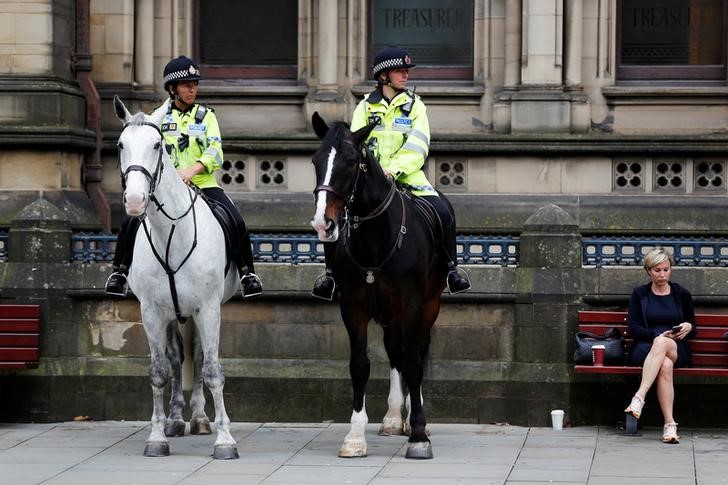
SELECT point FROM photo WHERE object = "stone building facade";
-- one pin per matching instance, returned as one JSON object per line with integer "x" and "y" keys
{"x": 551, "y": 120}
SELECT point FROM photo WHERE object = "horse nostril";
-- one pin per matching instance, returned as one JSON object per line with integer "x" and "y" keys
{"x": 329, "y": 224}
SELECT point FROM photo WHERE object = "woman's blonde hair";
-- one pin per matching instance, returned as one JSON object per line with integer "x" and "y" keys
{"x": 655, "y": 257}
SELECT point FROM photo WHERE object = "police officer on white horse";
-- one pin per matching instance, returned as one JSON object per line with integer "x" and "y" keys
{"x": 192, "y": 137}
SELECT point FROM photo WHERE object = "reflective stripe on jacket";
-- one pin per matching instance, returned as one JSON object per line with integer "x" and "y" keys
{"x": 205, "y": 142}
{"x": 403, "y": 139}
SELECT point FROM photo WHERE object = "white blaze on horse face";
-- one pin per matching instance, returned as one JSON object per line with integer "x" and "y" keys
{"x": 319, "y": 218}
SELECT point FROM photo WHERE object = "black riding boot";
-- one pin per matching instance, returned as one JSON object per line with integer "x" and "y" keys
{"x": 250, "y": 282}
{"x": 116, "y": 283}
{"x": 457, "y": 281}
{"x": 324, "y": 287}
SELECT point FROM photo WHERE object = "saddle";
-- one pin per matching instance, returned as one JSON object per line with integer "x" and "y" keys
{"x": 431, "y": 218}
{"x": 227, "y": 223}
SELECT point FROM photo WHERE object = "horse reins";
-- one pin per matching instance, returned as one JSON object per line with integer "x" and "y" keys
{"x": 193, "y": 193}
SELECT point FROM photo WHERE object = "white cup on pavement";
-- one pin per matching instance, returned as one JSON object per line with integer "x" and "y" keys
{"x": 557, "y": 419}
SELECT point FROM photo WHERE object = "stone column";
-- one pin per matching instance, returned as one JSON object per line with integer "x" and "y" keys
{"x": 548, "y": 294}
{"x": 574, "y": 23}
{"x": 327, "y": 45}
{"x": 542, "y": 43}
{"x": 324, "y": 97}
{"x": 512, "y": 60}
{"x": 144, "y": 43}
{"x": 513, "y": 43}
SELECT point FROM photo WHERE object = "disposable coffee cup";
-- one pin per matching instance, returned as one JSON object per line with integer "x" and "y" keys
{"x": 557, "y": 419}
{"x": 598, "y": 355}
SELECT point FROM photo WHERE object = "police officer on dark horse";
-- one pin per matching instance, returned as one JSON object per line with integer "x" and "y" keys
{"x": 192, "y": 137}
{"x": 400, "y": 141}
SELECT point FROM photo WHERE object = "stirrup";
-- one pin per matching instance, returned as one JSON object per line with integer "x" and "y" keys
{"x": 251, "y": 285}
{"x": 463, "y": 278}
{"x": 324, "y": 287}
{"x": 116, "y": 284}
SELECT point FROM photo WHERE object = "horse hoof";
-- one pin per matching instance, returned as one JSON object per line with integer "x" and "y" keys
{"x": 156, "y": 448}
{"x": 225, "y": 452}
{"x": 390, "y": 429}
{"x": 200, "y": 426}
{"x": 353, "y": 449}
{"x": 421, "y": 450}
{"x": 174, "y": 429}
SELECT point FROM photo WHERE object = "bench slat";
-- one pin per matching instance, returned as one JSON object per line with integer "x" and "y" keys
{"x": 19, "y": 311}
{"x": 19, "y": 326}
{"x": 19, "y": 354}
{"x": 621, "y": 370}
{"x": 19, "y": 340}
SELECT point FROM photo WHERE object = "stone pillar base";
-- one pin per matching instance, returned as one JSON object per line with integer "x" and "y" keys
{"x": 541, "y": 110}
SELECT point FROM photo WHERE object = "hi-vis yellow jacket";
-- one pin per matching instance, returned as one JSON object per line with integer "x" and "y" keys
{"x": 204, "y": 144}
{"x": 403, "y": 136}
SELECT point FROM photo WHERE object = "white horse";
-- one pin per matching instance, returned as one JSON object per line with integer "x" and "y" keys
{"x": 178, "y": 272}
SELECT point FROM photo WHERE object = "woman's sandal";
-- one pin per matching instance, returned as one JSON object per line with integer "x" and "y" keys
{"x": 669, "y": 433}
{"x": 635, "y": 406}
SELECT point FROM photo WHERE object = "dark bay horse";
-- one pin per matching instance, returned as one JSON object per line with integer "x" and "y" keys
{"x": 386, "y": 270}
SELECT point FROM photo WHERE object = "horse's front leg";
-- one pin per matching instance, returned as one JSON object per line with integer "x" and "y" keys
{"x": 416, "y": 344}
{"x": 175, "y": 425}
{"x": 208, "y": 326}
{"x": 157, "y": 444}
{"x": 355, "y": 444}
{"x": 199, "y": 422}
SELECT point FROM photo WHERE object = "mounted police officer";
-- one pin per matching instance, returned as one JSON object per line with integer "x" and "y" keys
{"x": 401, "y": 143}
{"x": 192, "y": 137}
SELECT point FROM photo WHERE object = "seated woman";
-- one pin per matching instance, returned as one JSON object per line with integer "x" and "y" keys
{"x": 661, "y": 318}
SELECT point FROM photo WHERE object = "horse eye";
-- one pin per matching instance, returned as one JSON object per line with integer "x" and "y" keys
{"x": 157, "y": 145}
{"x": 120, "y": 146}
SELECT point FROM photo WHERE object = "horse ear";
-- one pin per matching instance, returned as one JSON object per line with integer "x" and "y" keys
{"x": 319, "y": 125}
{"x": 121, "y": 112}
{"x": 362, "y": 133}
{"x": 158, "y": 115}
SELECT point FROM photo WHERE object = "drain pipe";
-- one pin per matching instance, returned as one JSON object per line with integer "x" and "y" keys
{"x": 92, "y": 171}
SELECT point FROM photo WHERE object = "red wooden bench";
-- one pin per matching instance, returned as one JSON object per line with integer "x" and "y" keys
{"x": 19, "y": 336}
{"x": 709, "y": 348}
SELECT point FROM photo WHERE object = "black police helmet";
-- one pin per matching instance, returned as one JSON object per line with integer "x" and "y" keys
{"x": 391, "y": 57}
{"x": 180, "y": 69}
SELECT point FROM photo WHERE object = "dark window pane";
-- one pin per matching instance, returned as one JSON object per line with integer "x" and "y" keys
{"x": 672, "y": 32}
{"x": 235, "y": 33}
{"x": 436, "y": 33}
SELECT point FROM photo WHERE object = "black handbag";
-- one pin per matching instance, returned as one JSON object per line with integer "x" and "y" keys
{"x": 613, "y": 342}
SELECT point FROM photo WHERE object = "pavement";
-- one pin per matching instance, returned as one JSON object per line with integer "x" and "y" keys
{"x": 110, "y": 452}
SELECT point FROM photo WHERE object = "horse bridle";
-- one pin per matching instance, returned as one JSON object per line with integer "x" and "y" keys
{"x": 153, "y": 180}
{"x": 368, "y": 272}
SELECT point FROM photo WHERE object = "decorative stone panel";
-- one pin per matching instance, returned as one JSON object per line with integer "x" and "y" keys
{"x": 234, "y": 174}
{"x": 272, "y": 173}
{"x": 709, "y": 175}
{"x": 668, "y": 175}
{"x": 629, "y": 176}
{"x": 452, "y": 175}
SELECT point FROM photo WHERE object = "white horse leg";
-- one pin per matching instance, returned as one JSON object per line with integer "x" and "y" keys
{"x": 157, "y": 444}
{"x": 208, "y": 325}
{"x": 392, "y": 422}
{"x": 175, "y": 425}
{"x": 199, "y": 423}
{"x": 355, "y": 443}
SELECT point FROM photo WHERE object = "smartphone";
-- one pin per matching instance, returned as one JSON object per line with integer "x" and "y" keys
{"x": 676, "y": 328}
